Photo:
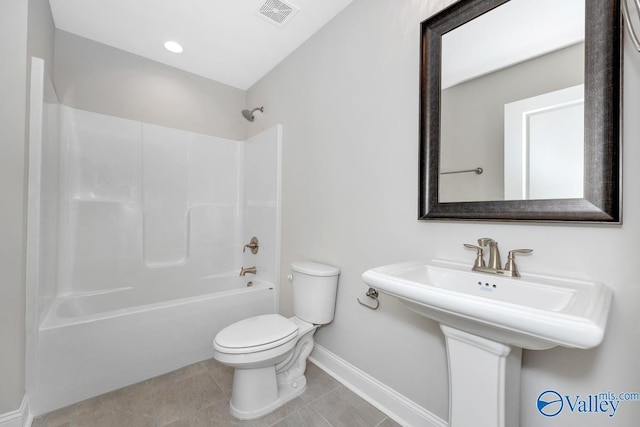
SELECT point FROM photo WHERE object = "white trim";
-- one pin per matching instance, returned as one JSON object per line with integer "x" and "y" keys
{"x": 389, "y": 401}
{"x": 518, "y": 166}
{"x": 18, "y": 418}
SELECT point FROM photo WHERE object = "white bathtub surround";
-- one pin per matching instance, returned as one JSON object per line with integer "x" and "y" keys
{"x": 142, "y": 201}
{"x": 135, "y": 244}
{"x": 82, "y": 307}
{"x": 260, "y": 201}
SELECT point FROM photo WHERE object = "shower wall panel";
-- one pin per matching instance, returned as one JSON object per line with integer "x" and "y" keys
{"x": 165, "y": 195}
{"x": 43, "y": 195}
{"x": 261, "y": 200}
{"x": 145, "y": 203}
{"x": 49, "y": 197}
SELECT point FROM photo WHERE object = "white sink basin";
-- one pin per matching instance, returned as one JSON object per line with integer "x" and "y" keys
{"x": 533, "y": 312}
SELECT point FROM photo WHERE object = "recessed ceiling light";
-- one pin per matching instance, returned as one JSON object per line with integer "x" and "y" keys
{"x": 174, "y": 47}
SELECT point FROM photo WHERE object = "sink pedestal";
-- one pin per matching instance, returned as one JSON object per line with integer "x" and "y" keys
{"x": 488, "y": 320}
{"x": 484, "y": 380}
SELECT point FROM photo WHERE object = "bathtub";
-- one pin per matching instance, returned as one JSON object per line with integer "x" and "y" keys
{"x": 131, "y": 334}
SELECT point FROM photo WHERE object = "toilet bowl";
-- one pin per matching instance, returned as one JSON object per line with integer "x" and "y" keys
{"x": 267, "y": 372}
{"x": 269, "y": 352}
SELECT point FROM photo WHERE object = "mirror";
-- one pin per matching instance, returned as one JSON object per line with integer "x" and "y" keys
{"x": 520, "y": 111}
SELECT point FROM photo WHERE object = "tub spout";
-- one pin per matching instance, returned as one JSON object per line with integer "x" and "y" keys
{"x": 245, "y": 271}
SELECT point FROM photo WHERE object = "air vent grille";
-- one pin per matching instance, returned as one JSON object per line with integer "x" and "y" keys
{"x": 277, "y": 12}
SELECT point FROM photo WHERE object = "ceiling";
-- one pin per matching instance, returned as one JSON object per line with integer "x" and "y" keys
{"x": 512, "y": 33}
{"x": 228, "y": 41}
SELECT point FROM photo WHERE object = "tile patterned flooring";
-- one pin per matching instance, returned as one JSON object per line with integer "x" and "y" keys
{"x": 198, "y": 396}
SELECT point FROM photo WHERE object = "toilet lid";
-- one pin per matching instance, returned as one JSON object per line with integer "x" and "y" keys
{"x": 315, "y": 268}
{"x": 256, "y": 334}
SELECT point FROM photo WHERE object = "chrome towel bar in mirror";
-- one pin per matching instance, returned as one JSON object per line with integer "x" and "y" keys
{"x": 478, "y": 171}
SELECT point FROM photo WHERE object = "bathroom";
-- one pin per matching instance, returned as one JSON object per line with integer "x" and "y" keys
{"x": 347, "y": 100}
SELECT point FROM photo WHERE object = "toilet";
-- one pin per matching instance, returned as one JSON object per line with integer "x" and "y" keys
{"x": 269, "y": 352}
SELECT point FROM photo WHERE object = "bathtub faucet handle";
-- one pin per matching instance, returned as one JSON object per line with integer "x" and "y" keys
{"x": 254, "y": 245}
{"x": 245, "y": 271}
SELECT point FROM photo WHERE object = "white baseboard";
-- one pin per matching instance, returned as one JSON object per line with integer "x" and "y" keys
{"x": 393, "y": 404}
{"x": 18, "y": 418}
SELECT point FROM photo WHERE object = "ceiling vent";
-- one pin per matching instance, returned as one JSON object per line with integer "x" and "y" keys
{"x": 277, "y": 12}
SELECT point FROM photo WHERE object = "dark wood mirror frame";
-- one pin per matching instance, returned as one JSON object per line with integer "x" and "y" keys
{"x": 603, "y": 124}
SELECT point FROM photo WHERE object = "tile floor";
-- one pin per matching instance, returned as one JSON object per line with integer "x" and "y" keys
{"x": 198, "y": 395}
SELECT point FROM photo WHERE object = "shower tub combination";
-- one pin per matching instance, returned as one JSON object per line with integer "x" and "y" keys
{"x": 91, "y": 344}
{"x": 134, "y": 246}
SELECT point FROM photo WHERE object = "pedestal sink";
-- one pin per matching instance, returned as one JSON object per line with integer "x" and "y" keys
{"x": 487, "y": 321}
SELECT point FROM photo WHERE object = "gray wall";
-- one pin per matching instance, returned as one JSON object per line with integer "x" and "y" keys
{"x": 28, "y": 26}
{"x": 95, "y": 77}
{"x": 348, "y": 100}
{"x": 13, "y": 77}
{"x": 41, "y": 32}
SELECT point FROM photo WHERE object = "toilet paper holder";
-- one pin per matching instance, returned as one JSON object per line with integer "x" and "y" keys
{"x": 373, "y": 294}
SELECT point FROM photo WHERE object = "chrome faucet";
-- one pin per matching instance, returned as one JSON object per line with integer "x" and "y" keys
{"x": 494, "y": 252}
{"x": 495, "y": 266}
{"x": 245, "y": 271}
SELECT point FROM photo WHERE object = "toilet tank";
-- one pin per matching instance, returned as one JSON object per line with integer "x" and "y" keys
{"x": 314, "y": 291}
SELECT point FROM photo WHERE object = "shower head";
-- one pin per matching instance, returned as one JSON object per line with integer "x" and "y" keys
{"x": 249, "y": 114}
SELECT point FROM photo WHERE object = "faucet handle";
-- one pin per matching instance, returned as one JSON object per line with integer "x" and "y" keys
{"x": 254, "y": 245}
{"x": 510, "y": 268}
{"x": 479, "y": 262}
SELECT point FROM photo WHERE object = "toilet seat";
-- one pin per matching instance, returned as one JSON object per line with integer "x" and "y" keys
{"x": 255, "y": 334}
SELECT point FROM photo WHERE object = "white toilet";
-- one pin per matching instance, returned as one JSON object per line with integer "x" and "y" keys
{"x": 269, "y": 352}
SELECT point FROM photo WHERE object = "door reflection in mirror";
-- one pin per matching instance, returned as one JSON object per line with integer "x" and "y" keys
{"x": 544, "y": 146}
{"x": 520, "y": 50}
